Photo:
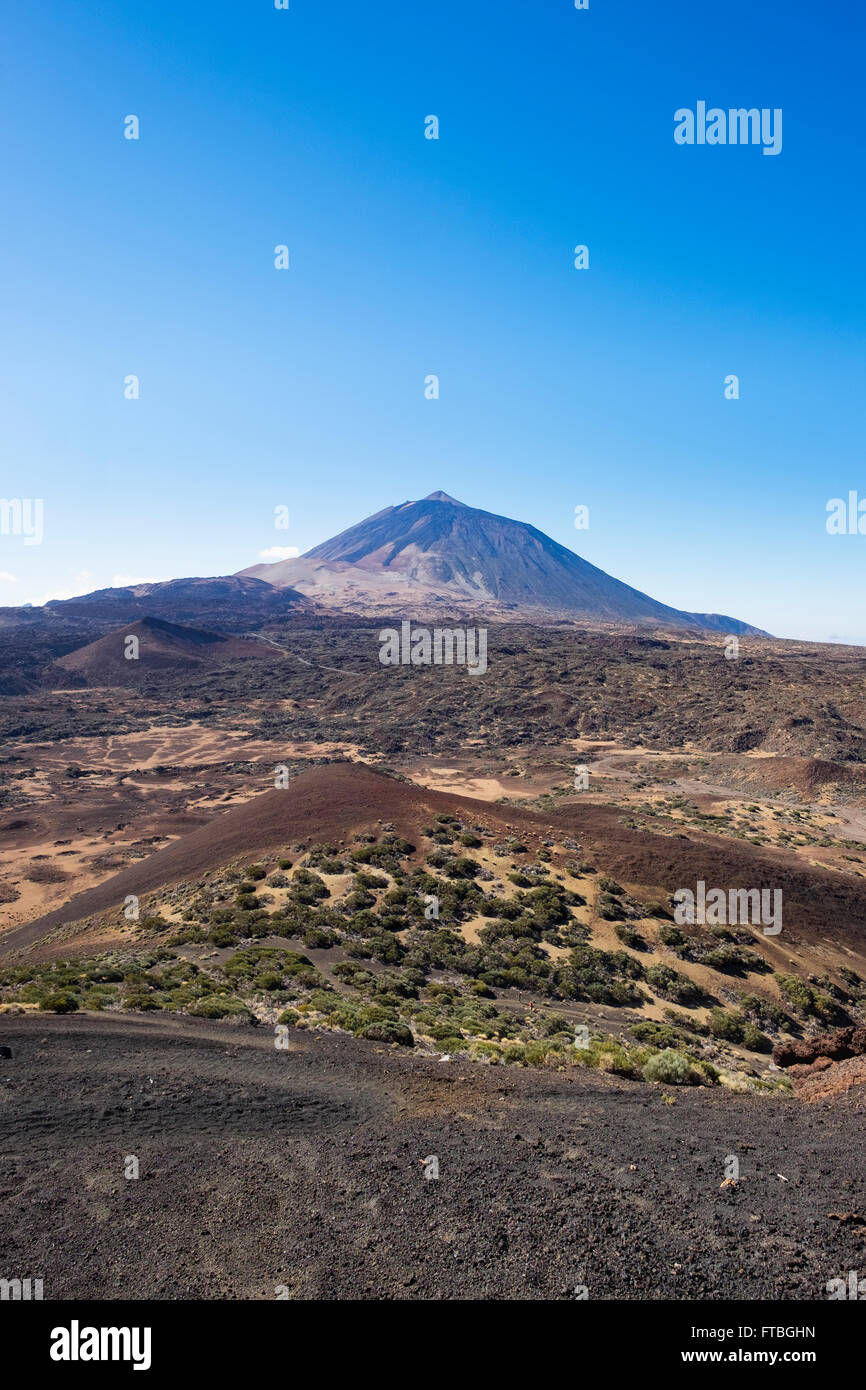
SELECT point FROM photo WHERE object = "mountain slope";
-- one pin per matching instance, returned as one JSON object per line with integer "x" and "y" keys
{"x": 439, "y": 546}
{"x": 161, "y": 646}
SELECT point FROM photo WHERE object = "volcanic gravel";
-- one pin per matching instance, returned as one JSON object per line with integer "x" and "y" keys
{"x": 300, "y": 1174}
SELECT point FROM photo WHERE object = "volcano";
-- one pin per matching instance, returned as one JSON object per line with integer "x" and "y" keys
{"x": 158, "y": 647}
{"x": 439, "y": 551}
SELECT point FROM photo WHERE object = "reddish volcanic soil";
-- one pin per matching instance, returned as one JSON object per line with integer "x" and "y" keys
{"x": 332, "y": 801}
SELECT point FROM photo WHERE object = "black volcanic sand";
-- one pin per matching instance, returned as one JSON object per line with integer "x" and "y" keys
{"x": 262, "y": 1168}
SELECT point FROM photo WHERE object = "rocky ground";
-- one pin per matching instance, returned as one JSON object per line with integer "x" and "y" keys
{"x": 300, "y": 1174}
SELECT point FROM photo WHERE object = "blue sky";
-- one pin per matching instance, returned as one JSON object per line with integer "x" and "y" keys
{"x": 305, "y": 388}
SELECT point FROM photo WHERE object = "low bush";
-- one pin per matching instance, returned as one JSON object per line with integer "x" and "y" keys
{"x": 671, "y": 1069}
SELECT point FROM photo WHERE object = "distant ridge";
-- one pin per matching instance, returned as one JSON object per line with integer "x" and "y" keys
{"x": 217, "y": 601}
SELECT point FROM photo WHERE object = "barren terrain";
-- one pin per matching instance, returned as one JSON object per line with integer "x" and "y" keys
{"x": 581, "y": 1066}
{"x": 299, "y": 1174}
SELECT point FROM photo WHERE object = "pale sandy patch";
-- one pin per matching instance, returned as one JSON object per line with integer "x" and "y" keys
{"x": 461, "y": 781}
{"x": 182, "y": 745}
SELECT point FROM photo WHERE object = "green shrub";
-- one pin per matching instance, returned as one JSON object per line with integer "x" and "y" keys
{"x": 482, "y": 990}
{"x": 219, "y": 1007}
{"x": 732, "y": 960}
{"x": 609, "y": 909}
{"x": 671, "y": 936}
{"x": 222, "y": 935}
{"x": 729, "y": 1026}
{"x": 610, "y": 1057}
{"x": 806, "y": 1000}
{"x": 358, "y": 900}
{"x": 629, "y": 937}
{"x": 153, "y": 922}
{"x": 105, "y": 974}
{"x": 765, "y": 1011}
{"x": 672, "y": 1069}
{"x": 796, "y": 993}
{"x": 710, "y": 1072}
{"x": 268, "y": 980}
{"x": 659, "y": 1035}
{"x": 754, "y": 1039}
{"x": 656, "y": 909}
{"x": 62, "y": 1002}
{"x": 319, "y": 938}
{"x": 141, "y": 1001}
{"x": 670, "y": 984}
{"x": 605, "y": 977}
{"x": 691, "y": 1025}
{"x": 489, "y": 1050}
{"x": 389, "y": 1031}
{"x": 462, "y": 868}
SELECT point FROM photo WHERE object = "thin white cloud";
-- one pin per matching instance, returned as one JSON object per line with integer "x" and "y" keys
{"x": 82, "y": 583}
{"x": 129, "y": 581}
{"x": 7, "y": 578}
{"x": 280, "y": 552}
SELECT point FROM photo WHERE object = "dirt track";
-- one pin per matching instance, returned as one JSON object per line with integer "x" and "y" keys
{"x": 262, "y": 1168}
